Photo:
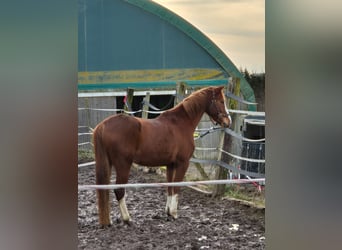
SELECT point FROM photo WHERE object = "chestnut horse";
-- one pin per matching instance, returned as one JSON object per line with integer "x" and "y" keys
{"x": 167, "y": 140}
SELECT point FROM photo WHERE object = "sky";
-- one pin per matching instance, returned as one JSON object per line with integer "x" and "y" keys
{"x": 236, "y": 26}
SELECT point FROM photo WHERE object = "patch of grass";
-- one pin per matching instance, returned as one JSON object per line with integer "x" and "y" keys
{"x": 85, "y": 156}
{"x": 247, "y": 193}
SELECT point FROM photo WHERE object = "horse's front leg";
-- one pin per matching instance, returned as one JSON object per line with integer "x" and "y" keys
{"x": 170, "y": 172}
{"x": 176, "y": 174}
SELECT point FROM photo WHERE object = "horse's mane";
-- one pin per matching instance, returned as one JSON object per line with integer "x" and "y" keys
{"x": 194, "y": 103}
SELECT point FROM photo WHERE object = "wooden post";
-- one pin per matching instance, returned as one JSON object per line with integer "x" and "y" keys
{"x": 115, "y": 105}
{"x": 235, "y": 89}
{"x": 144, "y": 115}
{"x": 226, "y": 142}
{"x": 200, "y": 169}
{"x": 129, "y": 100}
{"x": 145, "y": 106}
{"x": 180, "y": 92}
{"x": 221, "y": 172}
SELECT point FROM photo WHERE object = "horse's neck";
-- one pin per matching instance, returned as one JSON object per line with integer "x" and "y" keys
{"x": 189, "y": 111}
{"x": 195, "y": 108}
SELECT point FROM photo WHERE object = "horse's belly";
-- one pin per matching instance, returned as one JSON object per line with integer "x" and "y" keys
{"x": 153, "y": 159}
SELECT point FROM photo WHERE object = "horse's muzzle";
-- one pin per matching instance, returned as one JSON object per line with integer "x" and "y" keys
{"x": 225, "y": 121}
{"x": 225, "y": 124}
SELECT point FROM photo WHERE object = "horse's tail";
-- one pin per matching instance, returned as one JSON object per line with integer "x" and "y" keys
{"x": 101, "y": 156}
{"x": 103, "y": 173}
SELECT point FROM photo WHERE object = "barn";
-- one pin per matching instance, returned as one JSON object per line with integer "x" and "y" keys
{"x": 142, "y": 45}
{"x": 139, "y": 45}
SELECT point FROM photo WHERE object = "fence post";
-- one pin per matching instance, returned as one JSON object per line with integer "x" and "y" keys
{"x": 145, "y": 106}
{"x": 129, "y": 99}
{"x": 144, "y": 115}
{"x": 226, "y": 142}
{"x": 180, "y": 92}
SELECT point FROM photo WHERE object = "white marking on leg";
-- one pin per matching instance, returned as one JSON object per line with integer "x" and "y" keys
{"x": 168, "y": 203}
{"x": 123, "y": 209}
{"x": 173, "y": 206}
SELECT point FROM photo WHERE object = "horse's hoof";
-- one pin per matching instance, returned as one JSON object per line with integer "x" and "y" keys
{"x": 105, "y": 226}
{"x": 128, "y": 223}
{"x": 171, "y": 217}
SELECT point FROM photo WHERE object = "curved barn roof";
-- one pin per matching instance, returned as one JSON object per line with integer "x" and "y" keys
{"x": 199, "y": 38}
{"x": 101, "y": 30}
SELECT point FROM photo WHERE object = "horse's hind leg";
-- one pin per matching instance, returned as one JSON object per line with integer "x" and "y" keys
{"x": 122, "y": 173}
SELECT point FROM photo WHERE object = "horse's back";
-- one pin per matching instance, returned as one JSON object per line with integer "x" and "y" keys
{"x": 120, "y": 122}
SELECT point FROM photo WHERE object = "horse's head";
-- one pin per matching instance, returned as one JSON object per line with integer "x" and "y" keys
{"x": 216, "y": 108}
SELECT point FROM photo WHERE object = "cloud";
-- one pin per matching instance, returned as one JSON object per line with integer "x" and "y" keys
{"x": 236, "y": 26}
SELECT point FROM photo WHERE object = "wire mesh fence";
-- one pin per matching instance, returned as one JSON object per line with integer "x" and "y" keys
{"x": 255, "y": 150}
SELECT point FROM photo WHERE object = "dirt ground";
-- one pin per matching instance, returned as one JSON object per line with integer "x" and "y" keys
{"x": 203, "y": 223}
